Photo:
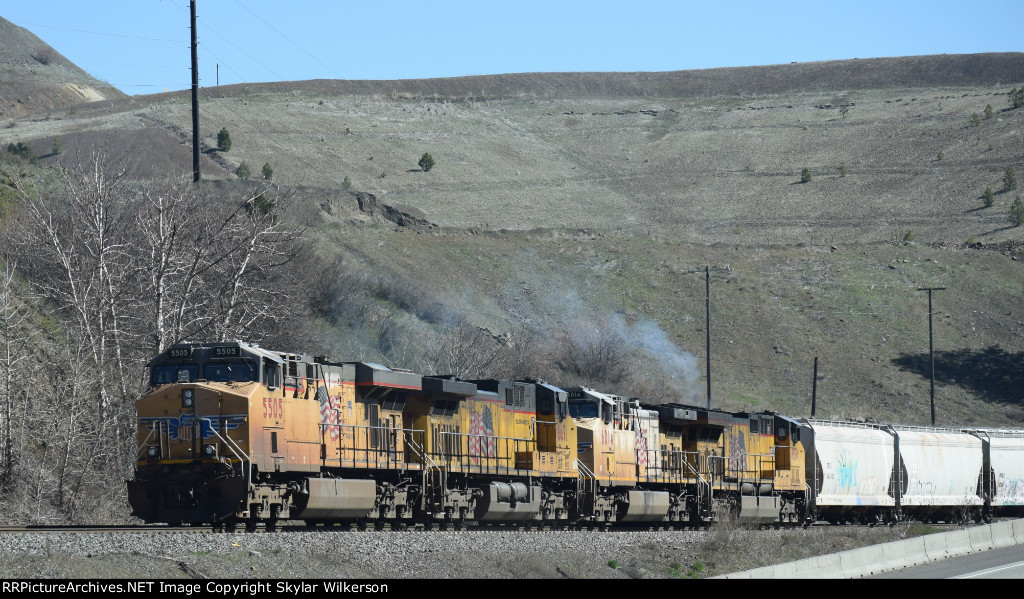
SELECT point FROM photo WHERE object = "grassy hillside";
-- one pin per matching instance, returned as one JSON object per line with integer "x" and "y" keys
{"x": 34, "y": 77}
{"x": 566, "y": 201}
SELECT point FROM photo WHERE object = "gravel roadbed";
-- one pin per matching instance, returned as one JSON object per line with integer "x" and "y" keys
{"x": 348, "y": 555}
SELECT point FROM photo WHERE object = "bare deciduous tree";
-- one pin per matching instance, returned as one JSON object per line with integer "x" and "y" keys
{"x": 126, "y": 270}
{"x": 14, "y": 367}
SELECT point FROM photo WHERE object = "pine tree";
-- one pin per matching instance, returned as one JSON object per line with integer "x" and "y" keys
{"x": 1009, "y": 179}
{"x": 426, "y": 162}
{"x": 224, "y": 140}
{"x": 1017, "y": 212}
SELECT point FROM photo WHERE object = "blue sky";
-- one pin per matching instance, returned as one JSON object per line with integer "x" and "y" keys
{"x": 142, "y": 46}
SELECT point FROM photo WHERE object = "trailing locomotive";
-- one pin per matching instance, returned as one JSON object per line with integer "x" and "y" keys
{"x": 231, "y": 434}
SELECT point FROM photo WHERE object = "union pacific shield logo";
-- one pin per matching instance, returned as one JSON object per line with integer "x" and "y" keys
{"x": 182, "y": 427}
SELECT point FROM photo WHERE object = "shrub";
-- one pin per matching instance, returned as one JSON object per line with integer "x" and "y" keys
{"x": 1017, "y": 97}
{"x": 988, "y": 196}
{"x": 1017, "y": 212}
{"x": 842, "y": 170}
{"x": 346, "y": 183}
{"x": 941, "y": 155}
{"x": 908, "y": 237}
{"x": 261, "y": 205}
{"x": 268, "y": 172}
{"x": 989, "y": 113}
{"x": 23, "y": 151}
{"x": 45, "y": 54}
{"x": 224, "y": 140}
{"x": 975, "y": 121}
{"x": 426, "y": 162}
{"x": 1009, "y": 179}
{"x": 58, "y": 146}
{"x": 242, "y": 172}
{"x": 805, "y": 176}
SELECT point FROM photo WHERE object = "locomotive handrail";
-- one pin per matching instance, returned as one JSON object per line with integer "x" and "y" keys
{"x": 418, "y": 449}
{"x": 228, "y": 441}
{"x": 388, "y": 450}
{"x": 429, "y": 466}
{"x": 755, "y": 472}
{"x": 235, "y": 448}
{"x": 138, "y": 452}
{"x": 673, "y": 464}
{"x": 162, "y": 439}
{"x": 535, "y": 421}
{"x": 486, "y": 455}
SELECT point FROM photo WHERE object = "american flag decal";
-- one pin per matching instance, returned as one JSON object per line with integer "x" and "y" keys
{"x": 641, "y": 433}
{"x": 481, "y": 426}
{"x": 329, "y": 407}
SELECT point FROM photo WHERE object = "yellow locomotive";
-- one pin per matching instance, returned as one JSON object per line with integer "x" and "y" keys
{"x": 232, "y": 434}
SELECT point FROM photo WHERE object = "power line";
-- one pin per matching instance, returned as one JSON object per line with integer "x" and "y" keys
{"x": 133, "y": 37}
{"x": 303, "y": 50}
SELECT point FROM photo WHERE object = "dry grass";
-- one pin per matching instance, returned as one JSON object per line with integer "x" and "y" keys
{"x": 610, "y": 197}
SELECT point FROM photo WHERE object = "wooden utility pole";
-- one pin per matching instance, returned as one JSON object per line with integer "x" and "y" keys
{"x": 195, "y": 95}
{"x": 814, "y": 387}
{"x": 931, "y": 350}
{"x": 707, "y": 321}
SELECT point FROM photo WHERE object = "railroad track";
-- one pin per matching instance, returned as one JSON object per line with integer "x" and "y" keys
{"x": 412, "y": 528}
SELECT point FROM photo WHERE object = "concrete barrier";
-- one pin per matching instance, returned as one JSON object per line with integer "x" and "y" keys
{"x": 900, "y": 554}
{"x": 958, "y": 542}
{"x": 1002, "y": 534}
{"x": 1018, "y": 531}
{"x": 859, "y": 562}
{"x": 936, "y": 547}
{"x": 865, "y": 561}
{"x": 981, "y": 537}
{"x": 821, "y": 566}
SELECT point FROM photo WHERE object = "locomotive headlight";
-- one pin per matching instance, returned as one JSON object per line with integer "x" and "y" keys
{"x": 210, "y": 450}
{"x": 153, "y": 452}
{"x": 188, "y": 398}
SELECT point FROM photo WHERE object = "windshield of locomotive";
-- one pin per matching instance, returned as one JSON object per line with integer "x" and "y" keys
{"x": 243, "y": 371}
{"x": 583, "y": 410}
{"x": 174, "y": 373}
